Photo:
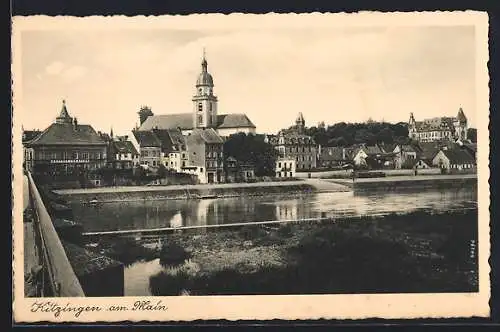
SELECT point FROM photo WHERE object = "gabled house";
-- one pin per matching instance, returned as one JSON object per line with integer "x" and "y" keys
{"x": 454, "y": 160}
{"x": 149, "y": 148}
{"x": 206, "y": 157}
{"x": 122, "y": 154}
{"x": 236, "y": 171}
{"x": 333, "y": 156}
{"x": 368, "y": 155}
{"x": 405, "y": 156}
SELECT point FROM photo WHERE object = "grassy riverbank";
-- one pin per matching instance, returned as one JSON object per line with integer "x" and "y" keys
{"x": 418, "y": 252}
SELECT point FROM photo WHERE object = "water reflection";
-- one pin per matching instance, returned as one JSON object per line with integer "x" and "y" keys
{"x": 177, "y": 213}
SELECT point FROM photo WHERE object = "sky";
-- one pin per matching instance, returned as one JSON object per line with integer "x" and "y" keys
{"x": 348, "y": 74}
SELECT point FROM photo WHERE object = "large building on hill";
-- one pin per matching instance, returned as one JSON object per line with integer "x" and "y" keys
{"x": 293, "y": 143}
{"x": 66, "y": 148}
{"x": 439, "y": 128}
{"x": 204, "y": 114}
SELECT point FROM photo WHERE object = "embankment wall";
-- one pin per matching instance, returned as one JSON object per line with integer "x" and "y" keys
{"x": 169, "y": 193}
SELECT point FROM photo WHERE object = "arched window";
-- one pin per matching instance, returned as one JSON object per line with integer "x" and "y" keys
{"x": 200, "y": 119}
{"x": 210, "y": 107}
{"x": 200, "y": 107}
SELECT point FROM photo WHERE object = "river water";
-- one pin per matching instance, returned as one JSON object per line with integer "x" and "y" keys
{"x": 175, "y": 213}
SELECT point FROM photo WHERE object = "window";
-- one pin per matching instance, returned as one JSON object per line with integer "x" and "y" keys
{"x": 200, "y": 119}
{"x": 200, "y": 107}
{"x": 201, "y": 169}
{"x": 200, "y": 91}
{"x": 279, "y": 164}
{"x": 210, "y": 107}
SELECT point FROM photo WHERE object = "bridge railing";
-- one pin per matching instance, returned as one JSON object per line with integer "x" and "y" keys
{"x": 62, "y": 280}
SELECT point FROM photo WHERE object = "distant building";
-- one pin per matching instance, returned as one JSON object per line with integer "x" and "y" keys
{"x": 285, "y": 167}
{"x": 203, "y": 116}
{"x": 332, "y": 156}
{"x": 454, "y": 160}
{"x": 439, "y": 128}
{"x": 66, "y": 148}
{"x": 206, "y": 157}
{"x": 293, "y": 143}
{"x": 405, "y": 156}
{"x": 236, "y": 171}
{"x": 363, "y": 155}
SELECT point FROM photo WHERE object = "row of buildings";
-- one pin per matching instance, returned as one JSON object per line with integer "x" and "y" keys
{"x": 192, "y": 143}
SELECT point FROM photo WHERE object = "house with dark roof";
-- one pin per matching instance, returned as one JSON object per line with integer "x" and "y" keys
{"x": 122, "y": 154}
{"x": 333, "y": 156}
{"x": 173, "y": 148}
{"x": 455, "y": 160}
{"x": 65, "y": 148}
{"x": 149, "y": 148}
{"x": 204, "y": 114}
{"x": 238, "y": 171}
{"x": 205, "y": 155}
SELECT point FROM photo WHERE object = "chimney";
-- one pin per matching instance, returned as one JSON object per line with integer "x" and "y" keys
{"x": 75, "y": 123}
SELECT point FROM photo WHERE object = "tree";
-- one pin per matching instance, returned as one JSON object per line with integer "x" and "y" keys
{"x": 252, "y": 149}
{"x": 162, "y": 171}
{"x": 472, "y": 134}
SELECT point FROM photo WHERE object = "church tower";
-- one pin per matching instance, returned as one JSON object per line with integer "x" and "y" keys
{"x": 204, "y": 101}
{"x": 300, "y": 123}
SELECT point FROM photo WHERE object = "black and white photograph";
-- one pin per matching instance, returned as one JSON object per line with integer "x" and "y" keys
{"x": 218, "y": 158}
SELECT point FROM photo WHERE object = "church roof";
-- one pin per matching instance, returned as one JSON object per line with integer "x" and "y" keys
{"x": 68, "y": 134}
{"x": 184, "y": 121}
{"x": 234, "y": 120}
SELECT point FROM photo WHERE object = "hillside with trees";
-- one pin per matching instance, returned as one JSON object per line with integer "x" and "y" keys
{"x": 347, "y": 134}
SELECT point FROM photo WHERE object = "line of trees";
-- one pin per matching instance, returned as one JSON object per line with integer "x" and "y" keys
{"x": 346, "y": 134}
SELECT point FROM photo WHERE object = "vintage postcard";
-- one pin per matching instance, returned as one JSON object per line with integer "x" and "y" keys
{"x": 255, "y": 167}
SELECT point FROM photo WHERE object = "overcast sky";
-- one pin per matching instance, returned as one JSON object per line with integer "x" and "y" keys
{"x": 328, "y": 74}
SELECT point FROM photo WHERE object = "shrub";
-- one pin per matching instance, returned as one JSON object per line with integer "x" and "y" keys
{"x": 173, "y": 254}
